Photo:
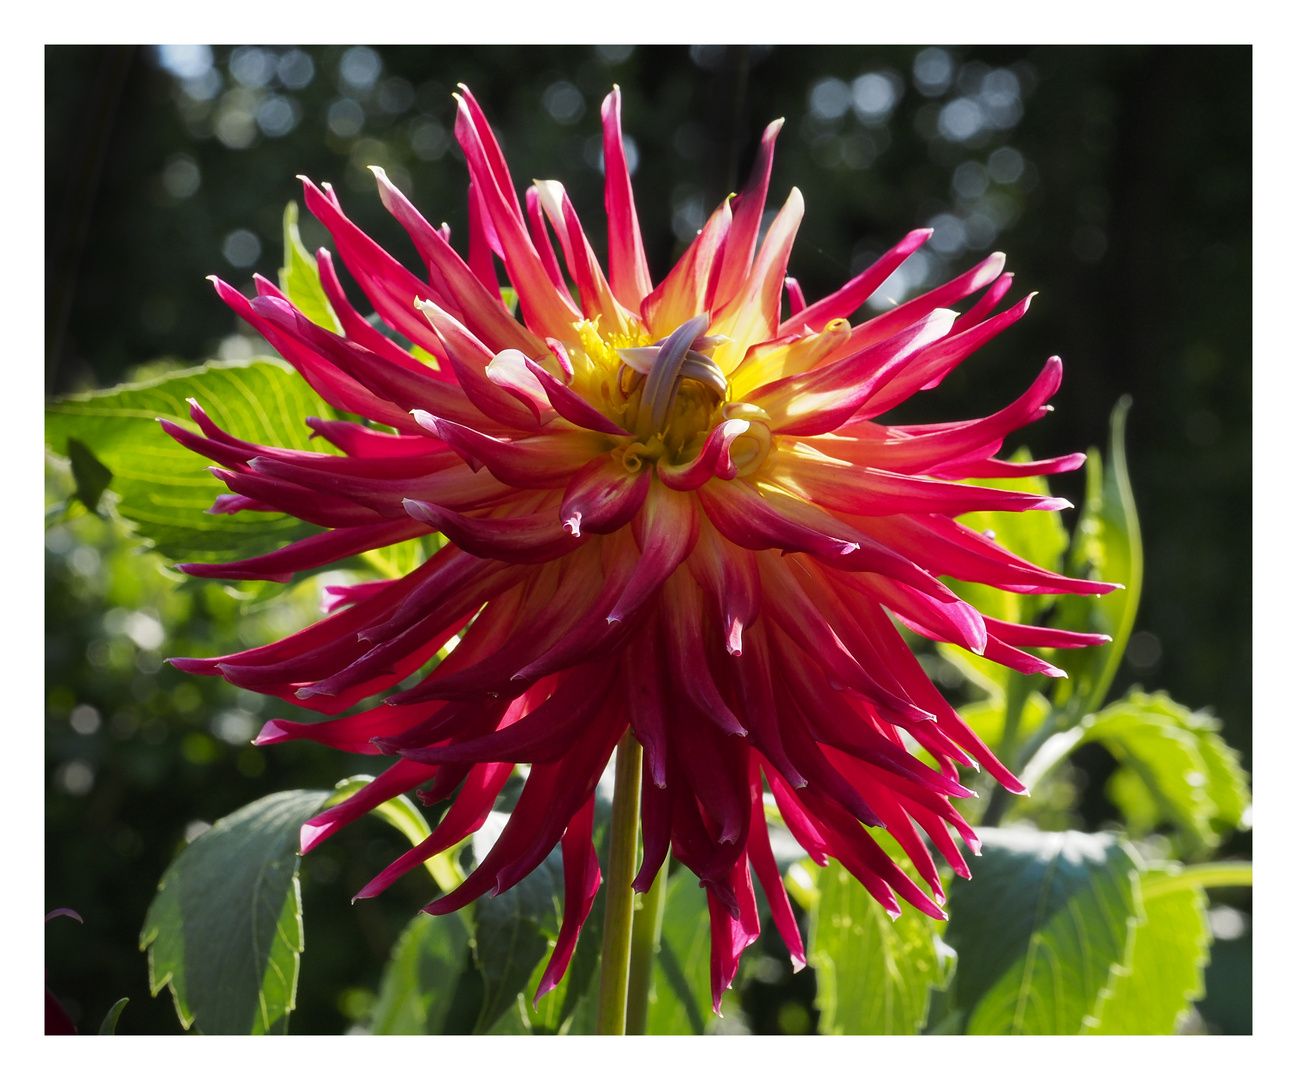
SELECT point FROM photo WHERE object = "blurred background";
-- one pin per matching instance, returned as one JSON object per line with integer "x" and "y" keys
{"x": 1118, "y": 180}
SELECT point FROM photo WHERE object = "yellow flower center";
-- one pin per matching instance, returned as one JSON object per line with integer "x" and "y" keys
{"x": 668, "y": 392}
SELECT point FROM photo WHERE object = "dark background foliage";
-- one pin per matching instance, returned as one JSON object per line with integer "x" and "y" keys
{"x": 1118, "y": 181}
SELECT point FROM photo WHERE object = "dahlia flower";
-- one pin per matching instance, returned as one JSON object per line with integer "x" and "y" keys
{"x": 666, "y": 509}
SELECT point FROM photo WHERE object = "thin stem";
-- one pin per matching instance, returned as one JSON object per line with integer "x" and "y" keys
{"x": 1208, "y": 875}
{"x": 645, "y": 937}
{"x": 620, "y": 901}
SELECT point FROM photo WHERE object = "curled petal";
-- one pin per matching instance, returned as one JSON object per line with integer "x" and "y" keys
{"x": 712, "y": 460}
{"x": 603, "y": 497}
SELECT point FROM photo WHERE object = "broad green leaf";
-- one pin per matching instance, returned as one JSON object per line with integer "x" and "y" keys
{"x": 225, "y": 930}
{"x": 508, "y": 946}
{"x": 680, "y": 1002}
{"x": 872, "y": 974}
{"x": 1106, "y": 547}
{"x": 422, "y": 977}
{"x": 90, "y": 475}
{"x": 164, "y": 489}
{"x": 300, "y": 277}
{"x": 1173, "y": 767}
{"x": 1042, "y": 930}
{"x": 513, "y": 932}
{"x": 1152, "y": 994}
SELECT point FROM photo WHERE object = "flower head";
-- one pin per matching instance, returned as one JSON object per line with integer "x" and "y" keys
{"x": 666, "y": 508}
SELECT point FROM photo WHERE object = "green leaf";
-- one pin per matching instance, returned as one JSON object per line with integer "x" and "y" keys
{"x": 581, "y": 974}
{"x": 109, "y": 1026}
{"x": 1036, "y": 535}
{"x": 681, "y": 1000}
{"x": 508, "y": 946}
{"x": 90, "y": 475}
{"x": 225, "y": 930}
{"x": 300, "y": 277}
{"x": 1106, "y": 547}
{"x": 1173, "y": 767}
{"x": 1152, "y": 994}
{"x": 421, "y": 980}
{"x": 873, "y": 975}
{"x": 513, "y": 932}
{"x": 1042, "y": 930}
{"x": 165, "y": 490}
{"x": 986, "y": 717}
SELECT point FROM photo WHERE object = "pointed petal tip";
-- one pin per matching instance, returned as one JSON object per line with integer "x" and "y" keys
{"x": 271, "y": 732}
{"x": 311, "y": 835}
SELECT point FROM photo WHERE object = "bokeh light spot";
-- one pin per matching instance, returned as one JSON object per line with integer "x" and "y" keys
{"x": 564, "y": 102}
{"x": 242, "y": 248}
{"x": 296, "y": 69}
{"x": 360, "y": 67}
{"x": 933, "y": 71}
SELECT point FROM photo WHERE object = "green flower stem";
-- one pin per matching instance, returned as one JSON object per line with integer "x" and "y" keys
{"x": 620, "y": 900}
{"x": 1207, "y": 875}
{"x": 645, "y": 936}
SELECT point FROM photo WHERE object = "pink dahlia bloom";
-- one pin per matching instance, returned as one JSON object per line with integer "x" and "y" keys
{"x": 667, "y": 509}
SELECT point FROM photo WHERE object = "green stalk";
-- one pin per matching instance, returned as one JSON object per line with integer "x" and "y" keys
{"x": 620, "y": 900}
{"x": 645, "y": 936}
{"x": 1208, "y": 875}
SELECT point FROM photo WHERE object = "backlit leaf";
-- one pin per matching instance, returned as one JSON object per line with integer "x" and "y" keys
{"x": 300, "y": 277}
{"x": 1173, "y": 767}
{"x": 1036, "y": 535}
{"x": 166, "y": 490}
{"x": 1106, "y": 546}
{"x": 873, "y": 975}
{"x": 1164, "y": 976}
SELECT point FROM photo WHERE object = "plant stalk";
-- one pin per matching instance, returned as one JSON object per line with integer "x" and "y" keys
{"x": 645, "y": 936}
{"x": 619, "y": 906}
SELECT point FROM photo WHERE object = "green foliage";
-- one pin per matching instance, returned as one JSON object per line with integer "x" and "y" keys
{"x": 299, "y": 277}
{"x": 1042, "y": 931}
{"x": 225, "y": 930}
{"x": 1106, "y": 546}
{"x": 1153, "y": 993}
{"x": 164, "y": 490}
{"x": 874, "y": 976}
{"x": 420, "y": 982}
{"x": 510, "y": 940}
{"x": 89, "y": 473}
{"x": 1173, "y": 768}
{"x": 109, "y": 1025}
{"x": 1037, "y": 536}
{"x": 681, "y": 1000}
